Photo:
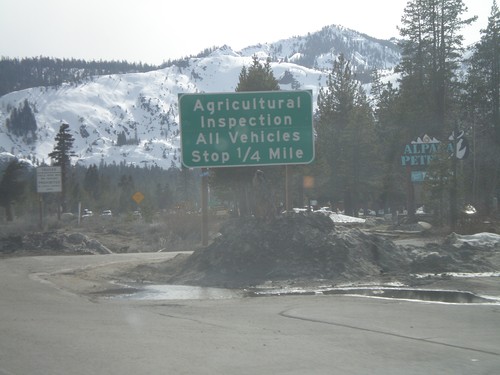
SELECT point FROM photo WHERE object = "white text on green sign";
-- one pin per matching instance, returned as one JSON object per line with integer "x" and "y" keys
{"x": 246, "y": 128}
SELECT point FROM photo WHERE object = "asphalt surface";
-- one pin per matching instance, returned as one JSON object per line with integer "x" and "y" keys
{"x": 46, "y": 329}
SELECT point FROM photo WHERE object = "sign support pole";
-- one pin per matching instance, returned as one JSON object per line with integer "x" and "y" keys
{"x": 204, "y": 206}
{"x": 40, "y": 209}
{"x": 411, "y": 196}
{"x": 288, "y": 202}
{"x": 453, "y": 188}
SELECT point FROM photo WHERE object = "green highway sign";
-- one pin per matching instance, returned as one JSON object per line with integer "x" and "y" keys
{"x": 246, "y": 128}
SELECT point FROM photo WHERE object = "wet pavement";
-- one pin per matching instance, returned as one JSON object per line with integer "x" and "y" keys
{"x": 50, "y": 329}
{"x": 187, "y": 292}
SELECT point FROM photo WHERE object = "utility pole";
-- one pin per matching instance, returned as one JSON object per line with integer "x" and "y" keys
{"x": 453, "y": 187}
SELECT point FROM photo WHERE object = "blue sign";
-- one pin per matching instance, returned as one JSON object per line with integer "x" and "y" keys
{"x": 422, "y": 150}
{"x": 418, "y": 176}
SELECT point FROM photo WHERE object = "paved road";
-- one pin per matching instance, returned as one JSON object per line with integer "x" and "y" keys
{"x": 47, "y": 330}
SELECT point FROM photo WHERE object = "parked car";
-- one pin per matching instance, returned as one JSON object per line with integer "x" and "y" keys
{"x": 107, "y": 213}
{"x": 87, "y": 213}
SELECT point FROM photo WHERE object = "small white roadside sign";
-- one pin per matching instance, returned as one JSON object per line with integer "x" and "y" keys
{"x": 48, "y": 180}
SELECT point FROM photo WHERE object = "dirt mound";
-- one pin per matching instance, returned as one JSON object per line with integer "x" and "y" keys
{"x": 294, "y": 246}
{"x": 50, "y": 243}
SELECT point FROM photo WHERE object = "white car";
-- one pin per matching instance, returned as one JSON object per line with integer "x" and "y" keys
{"x": 87, "y": 213}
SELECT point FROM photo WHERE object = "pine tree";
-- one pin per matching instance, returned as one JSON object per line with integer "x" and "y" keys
{"x": 127, "y": 189}
{"x": 22, "y": 122}
{"x": 61, "y": 156}
{"x": 481, "y": 109}
{"x": 121, "y": 139}
{"x": 258, "y": 77}
{"x": 486, "y": 62}
{"x": 345, "y": 138}
{"x": 91, "y": 182}
{"x": 391, "y": 138}
{"x": 429, "y": 89}
{"x": 11, "y": 187}
{"x": 431, "y": 47}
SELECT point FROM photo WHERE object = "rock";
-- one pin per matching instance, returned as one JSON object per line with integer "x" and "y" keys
{"x": 76, "y": 238}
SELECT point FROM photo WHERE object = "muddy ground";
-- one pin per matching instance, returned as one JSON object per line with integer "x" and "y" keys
{"x": 302, "y": 250}
{"x": 308, "y": 250}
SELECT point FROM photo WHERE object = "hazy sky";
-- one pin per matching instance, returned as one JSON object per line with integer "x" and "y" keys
{"x": 153, "y": 31}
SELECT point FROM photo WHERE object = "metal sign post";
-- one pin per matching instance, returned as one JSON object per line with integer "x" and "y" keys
{"x": 48, "y": 180}
{"x": 240, "y": 129}
{"x": 204, "y": 207}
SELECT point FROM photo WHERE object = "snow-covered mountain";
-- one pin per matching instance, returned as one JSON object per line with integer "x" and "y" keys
{"x": 142, "y": 107}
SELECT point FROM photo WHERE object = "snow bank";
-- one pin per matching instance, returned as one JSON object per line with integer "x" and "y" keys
{"x": 478, "y": 239}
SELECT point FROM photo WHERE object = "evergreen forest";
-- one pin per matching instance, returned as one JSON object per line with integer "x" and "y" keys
{"x": 360, "y": 138}
{"x": 18, "y": 74}
{"x": 99, "y": 188}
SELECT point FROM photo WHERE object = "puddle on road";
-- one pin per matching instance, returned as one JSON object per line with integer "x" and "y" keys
{"x": 426, "y": 295}
{"x": 177, "y": 292}
{"x": 446, "y": 296}
{"x": 185, "y": 292}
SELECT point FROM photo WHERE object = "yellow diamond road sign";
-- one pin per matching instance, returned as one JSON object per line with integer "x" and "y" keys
{"x": 138, "y": 197}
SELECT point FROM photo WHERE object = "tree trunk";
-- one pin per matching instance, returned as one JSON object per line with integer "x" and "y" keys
{"x": 9, "y": 213}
